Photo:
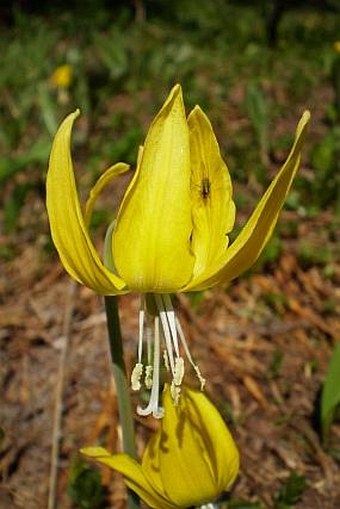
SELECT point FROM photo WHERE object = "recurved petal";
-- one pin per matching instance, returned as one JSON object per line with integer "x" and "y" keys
{"x": 213, "y": 209}
{"x": 151, "y": 240}
{"x": 69, "y": 233}
{"x": 249, "y": 244}
{"x": 102, "y": 182}
{"x": 133, "y": 475}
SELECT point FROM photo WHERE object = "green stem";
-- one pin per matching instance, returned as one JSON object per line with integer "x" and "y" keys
{"x": 123, "y": 394}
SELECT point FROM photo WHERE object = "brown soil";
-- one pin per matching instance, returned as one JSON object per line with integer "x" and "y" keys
{"x": 263, "y": 344}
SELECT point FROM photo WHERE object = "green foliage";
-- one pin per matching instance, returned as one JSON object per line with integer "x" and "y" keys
{"x": 310, "y": 255}
{"x": 276, "y": 363}
{"x": 84, "y": 485}
{"x": 257, "y": 108}
{"x": 113, "y": 53}
{"x": 271, "y": 253}
{"x": 13, "y": 205}
{"x": 330, "y": 396}
{"x": 291, "y": 492}
{"x": 119, "y": 81}
{"x": 195, "y": 299}
{"x": 25, "y": 62}
{"x": 37, "y": 153}
{"x": 336, "y": 84}
{"x": 326, "y": 161}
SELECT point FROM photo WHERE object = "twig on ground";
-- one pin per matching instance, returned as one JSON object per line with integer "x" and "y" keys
{"x": 58, "y": 406}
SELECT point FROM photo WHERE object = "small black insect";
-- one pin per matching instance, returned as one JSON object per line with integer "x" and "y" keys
{"x": 205, "y": 188}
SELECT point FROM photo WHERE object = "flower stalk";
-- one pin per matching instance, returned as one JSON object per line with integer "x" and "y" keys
{"x": 123, "y": 394}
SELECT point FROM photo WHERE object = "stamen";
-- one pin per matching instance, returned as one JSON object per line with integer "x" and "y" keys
{"x": 179, "y": 371}
{"x": 175, "y": 392}
{"x": 176, "y": 383}
{"x": 159, "y": 323}
{"x": 148, "y": 377}
{"x": 166, "y": 360}
{"x": 201, "y": 379}
{"x": 166, "y": 331}
{"x": 136, "y": 376}
{"x": 171, "y": 317}
{"x": 149, "y": 332}
{"x": 153, "y": 406}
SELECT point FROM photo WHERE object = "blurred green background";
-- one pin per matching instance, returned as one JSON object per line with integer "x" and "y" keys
{"x": 252, "y": 66}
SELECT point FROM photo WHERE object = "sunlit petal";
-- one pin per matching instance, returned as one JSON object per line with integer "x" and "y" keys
{"x": 195, "y": 444}
{"x": 133, "y": 475}
{"x": 244, "y": 251}
{"x": 151, "y": 240}
{"x": 217, "y": 440}
{"x": 212, "y": 207}
{"x": 69, "y": 233}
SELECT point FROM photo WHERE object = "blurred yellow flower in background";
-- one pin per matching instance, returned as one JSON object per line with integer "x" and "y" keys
{"x": 62, "y": 76}
{"x": 336, "y": 46}
{"x": 192, "y": 459}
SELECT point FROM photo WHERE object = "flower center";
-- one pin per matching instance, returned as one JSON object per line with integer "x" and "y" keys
{"x": 159, "y": 327}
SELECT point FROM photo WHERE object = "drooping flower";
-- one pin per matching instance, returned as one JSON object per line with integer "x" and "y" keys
{"x": 191, "y": 460}
{"x": 171, "y": 231}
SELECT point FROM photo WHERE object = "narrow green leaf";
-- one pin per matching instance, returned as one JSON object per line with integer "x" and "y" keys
{"x": 330, "y": 397}
{"x": 258, "y": 110}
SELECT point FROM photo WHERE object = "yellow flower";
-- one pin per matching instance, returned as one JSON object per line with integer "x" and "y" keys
{"x": 62, "y": 76}
{"x": 191, "y": 460}
{"x": 337, "y": 46}
{"x": 170, "y": 233}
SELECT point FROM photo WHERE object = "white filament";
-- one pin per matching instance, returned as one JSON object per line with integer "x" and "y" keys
{"x": 188, "y": 354}
{"x": 140, "y": 335}
{"x": 152, "y": 329}
{"x": 153, "y": 406}
{"x": 166, "y": 331}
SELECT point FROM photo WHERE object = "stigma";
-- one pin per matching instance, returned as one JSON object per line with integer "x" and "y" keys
{"x": 160, "y": 331}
